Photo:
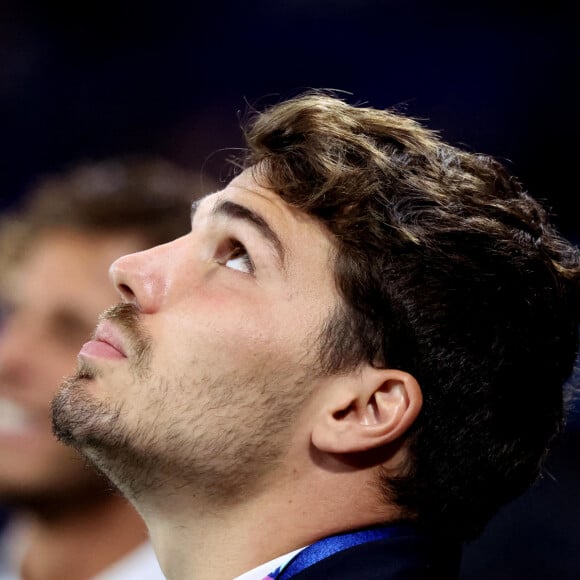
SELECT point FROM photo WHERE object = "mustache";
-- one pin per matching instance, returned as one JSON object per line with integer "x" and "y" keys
{"x": 128, "y": 318}
{"x": 124, "y": 314}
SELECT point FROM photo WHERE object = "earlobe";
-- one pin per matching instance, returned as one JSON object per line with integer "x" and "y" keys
{"x": 367, "y": 410}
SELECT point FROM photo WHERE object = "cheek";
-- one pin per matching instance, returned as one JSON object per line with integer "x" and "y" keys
{"x": 240, "y": 328}
{"x": 230, "y": 338}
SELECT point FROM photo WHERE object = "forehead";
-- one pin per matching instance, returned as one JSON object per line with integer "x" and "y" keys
{"x": 66, "y": 266}
{"x": 245, "y": 190}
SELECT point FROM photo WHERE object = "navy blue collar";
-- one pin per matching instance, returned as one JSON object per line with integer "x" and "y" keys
{"x": 333, "y": 544}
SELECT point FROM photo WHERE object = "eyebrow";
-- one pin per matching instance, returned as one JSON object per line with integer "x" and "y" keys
{"x": 236, "y": 211}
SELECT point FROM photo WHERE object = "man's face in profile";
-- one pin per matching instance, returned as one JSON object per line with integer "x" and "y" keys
{"x": 50, "y": 299}
{"x": 202, "y": 375}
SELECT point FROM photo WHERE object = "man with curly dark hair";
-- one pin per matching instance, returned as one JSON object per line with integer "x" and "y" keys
{"x": 354, "y": 358}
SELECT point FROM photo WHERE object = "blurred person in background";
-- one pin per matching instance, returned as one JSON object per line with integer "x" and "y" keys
{"x": 65, "y": 521}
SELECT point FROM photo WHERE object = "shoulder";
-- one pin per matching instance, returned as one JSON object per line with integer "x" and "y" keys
{"x": 412, "y": 557}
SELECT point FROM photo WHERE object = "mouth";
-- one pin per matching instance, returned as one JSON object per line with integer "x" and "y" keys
{"x": 106, "y": 343}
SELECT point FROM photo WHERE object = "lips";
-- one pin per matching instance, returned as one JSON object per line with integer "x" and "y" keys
{"x": 106, "y": 343}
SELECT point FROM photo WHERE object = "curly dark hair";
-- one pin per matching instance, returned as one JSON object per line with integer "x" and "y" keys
{"x": 448, "y": 270}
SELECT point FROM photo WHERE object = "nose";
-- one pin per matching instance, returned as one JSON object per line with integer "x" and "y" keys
{"x": 141, "y": 278}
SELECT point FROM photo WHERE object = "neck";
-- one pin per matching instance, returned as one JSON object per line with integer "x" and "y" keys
{"x": 220, "y": 543}
{"x": 76, "y": 543}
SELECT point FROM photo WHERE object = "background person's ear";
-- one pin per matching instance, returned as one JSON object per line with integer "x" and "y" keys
{"x": 367, "y": 410}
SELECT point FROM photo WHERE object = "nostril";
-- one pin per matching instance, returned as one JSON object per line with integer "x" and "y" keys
{"x": 126, "y": 292}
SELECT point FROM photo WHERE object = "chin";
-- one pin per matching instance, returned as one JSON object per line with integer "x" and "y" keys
{"x": 78, "y": 419}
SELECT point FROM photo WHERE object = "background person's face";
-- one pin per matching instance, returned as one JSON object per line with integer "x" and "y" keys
{"x": 50, "y": 301}
{"x": 232, "y": 350}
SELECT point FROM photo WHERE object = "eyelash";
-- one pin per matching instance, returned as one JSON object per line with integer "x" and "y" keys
{"x": 235, "y": 249}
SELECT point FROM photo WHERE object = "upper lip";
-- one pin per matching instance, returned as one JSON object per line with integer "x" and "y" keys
{"x": 107, "y": 332}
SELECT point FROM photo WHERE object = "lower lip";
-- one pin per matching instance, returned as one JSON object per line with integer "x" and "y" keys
{"x": 98, "y": 349}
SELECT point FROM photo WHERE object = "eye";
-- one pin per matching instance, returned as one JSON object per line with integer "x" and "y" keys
{"x": 237, "y": 258}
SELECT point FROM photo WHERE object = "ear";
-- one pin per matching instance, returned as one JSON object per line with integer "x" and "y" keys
{"x": 366, "y": 410}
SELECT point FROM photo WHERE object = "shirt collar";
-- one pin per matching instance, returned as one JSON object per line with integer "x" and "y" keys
{"x": 263, "y": 570}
